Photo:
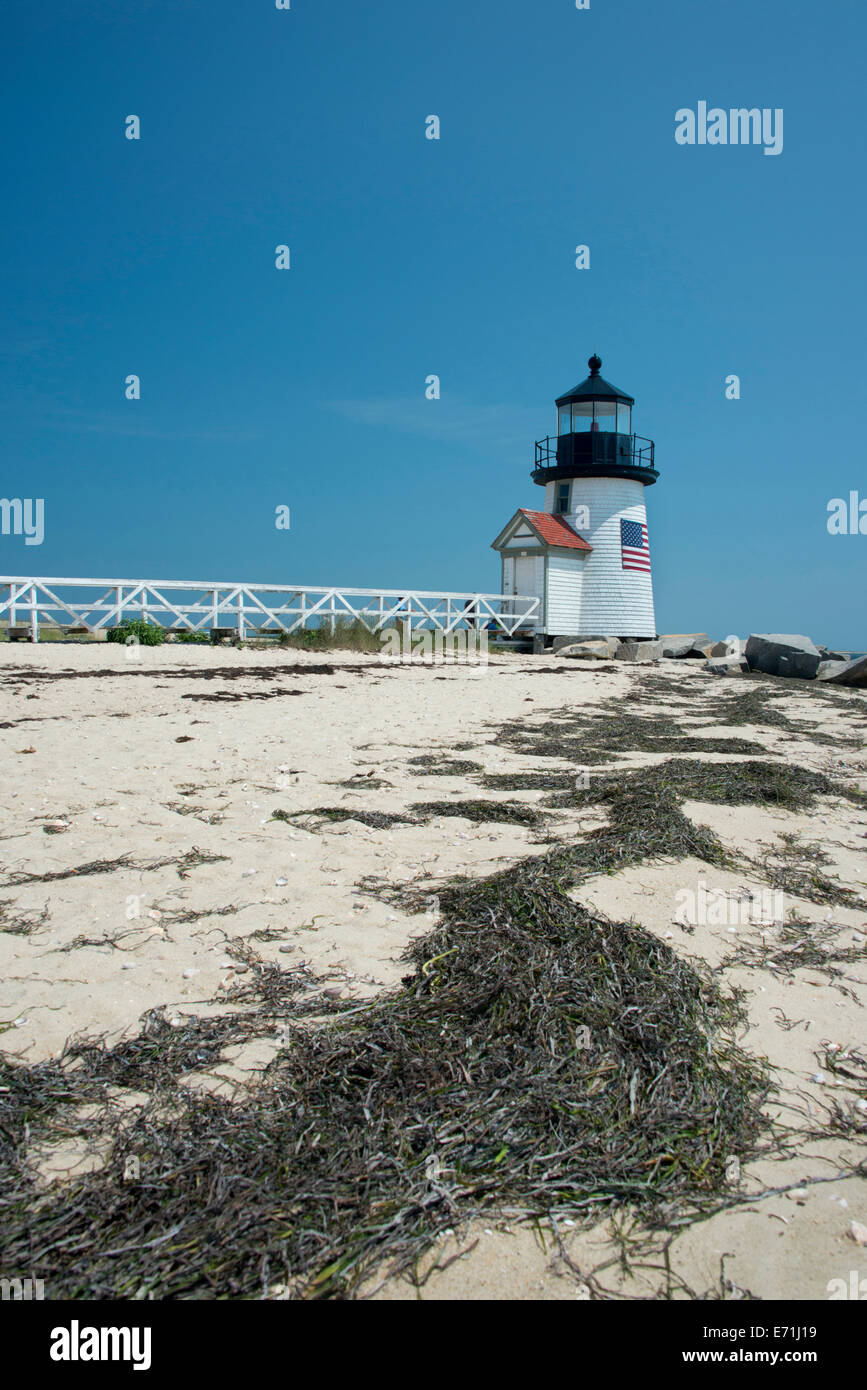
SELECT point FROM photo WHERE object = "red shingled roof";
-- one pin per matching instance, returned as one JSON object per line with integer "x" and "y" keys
{"x": 555, "y": 530}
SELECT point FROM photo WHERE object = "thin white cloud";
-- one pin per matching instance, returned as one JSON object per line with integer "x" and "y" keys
{"x": 454, "y": 421}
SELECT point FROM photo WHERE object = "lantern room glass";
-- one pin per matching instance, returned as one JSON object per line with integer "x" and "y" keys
{"x": 586, "y": 416}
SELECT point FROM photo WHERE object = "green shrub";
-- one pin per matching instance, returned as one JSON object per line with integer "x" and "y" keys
{"x": 192, "y": 637}
{"x": 350, "y": 634}
{"x": 148, "y": 634}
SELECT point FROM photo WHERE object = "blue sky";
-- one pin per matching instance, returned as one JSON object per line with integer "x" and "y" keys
{"x": 411, "y": 257}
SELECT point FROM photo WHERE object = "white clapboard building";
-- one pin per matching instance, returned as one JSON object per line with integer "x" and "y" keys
{"x": 586, "y": 554}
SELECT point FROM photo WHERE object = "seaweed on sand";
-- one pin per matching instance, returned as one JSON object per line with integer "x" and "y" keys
{"x": 510, "y": 812}
{"x": 18, "y": 923}
{"x": 191, "y": 859}
{"x": 796, "y": 868}
{"x": 527, "y": 781}
{"x": 587, "y": 738}
{"x": 499, "y": 812}
{"x": 759, "y": 705}
{"x": 797, "y": 944}
{"x": 537, "y": 1059}
{"x": 321, "y": 815}
{"x": 428, "y": 766}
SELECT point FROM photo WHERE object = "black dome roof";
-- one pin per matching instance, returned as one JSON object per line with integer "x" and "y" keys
{"x": 595, "y": 387}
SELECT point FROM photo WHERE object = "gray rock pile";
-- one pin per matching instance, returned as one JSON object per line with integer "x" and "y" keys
{"x": 793, "y": 655}
{"x": 777, "y": 654}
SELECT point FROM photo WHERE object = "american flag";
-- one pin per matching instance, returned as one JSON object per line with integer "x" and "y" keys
{"x": 634, "y": 549}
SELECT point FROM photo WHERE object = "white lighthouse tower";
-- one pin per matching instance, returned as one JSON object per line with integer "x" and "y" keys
{"x": 586, "y": 556}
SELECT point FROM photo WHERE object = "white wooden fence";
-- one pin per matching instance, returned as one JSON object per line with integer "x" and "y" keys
{"x": 194, "y": 606}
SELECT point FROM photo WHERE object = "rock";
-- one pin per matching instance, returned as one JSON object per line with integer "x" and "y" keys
{"x": 720, "y": 649}
{"x": 844, "y": 672}
{"x": 676, "y": 644}
{"x": 726, "y": 665}
{"x": 828, "y": 655}
{"x": 597, "y": 649}
{"x": 639, "y": 651}
{"x": 783, "y": 654}
{"x": 583, "y": 639}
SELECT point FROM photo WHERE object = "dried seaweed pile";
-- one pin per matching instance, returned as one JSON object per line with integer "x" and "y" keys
{"x": 755, "y": 783}
{"x": 759, "y": 705}
{"x": 317, "y": 816}
{"x": 586, "y": 738}
{"x": 479, "y": 812}
{"x": 428, "y": 765}
{"x": 646, "y": 820}
{"x": 757, "y": 700}
{"x": 419, "y": 813}
{"x": 233, "y": 696}
{"x": 536, "y": 1059}
{"x": 18, "y": 678}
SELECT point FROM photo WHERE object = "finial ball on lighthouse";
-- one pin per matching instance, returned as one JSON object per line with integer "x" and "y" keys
{"x": 586, "y": 555}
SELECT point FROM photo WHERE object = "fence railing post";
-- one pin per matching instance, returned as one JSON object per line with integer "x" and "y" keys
{"x": 34, "y": 615}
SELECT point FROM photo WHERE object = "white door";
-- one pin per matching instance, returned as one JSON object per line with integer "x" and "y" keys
{"x": 524, "y": 581}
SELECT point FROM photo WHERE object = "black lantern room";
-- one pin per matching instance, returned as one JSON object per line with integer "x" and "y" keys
{"x": 594, "y": 436}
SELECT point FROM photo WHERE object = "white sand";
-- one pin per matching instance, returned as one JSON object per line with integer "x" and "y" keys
{"x": 105, "y": 947}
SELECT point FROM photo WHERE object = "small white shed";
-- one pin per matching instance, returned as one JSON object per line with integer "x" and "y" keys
{"x": 543, "y": 557}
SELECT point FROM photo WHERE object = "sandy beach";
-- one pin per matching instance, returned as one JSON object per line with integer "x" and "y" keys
{"x": 143, "y": 868}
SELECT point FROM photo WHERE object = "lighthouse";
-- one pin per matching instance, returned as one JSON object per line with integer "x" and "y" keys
{"x": 586, "y": 554}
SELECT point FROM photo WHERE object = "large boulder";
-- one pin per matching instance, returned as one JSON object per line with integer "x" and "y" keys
{"x": 639, "y": 651}
{"x": 783, "y": 654}
{"x": 587, "y": 650}
{"x": 844, "y": 672}
{"x": 726, "y": 665}
{"x": 679, "y": 644}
